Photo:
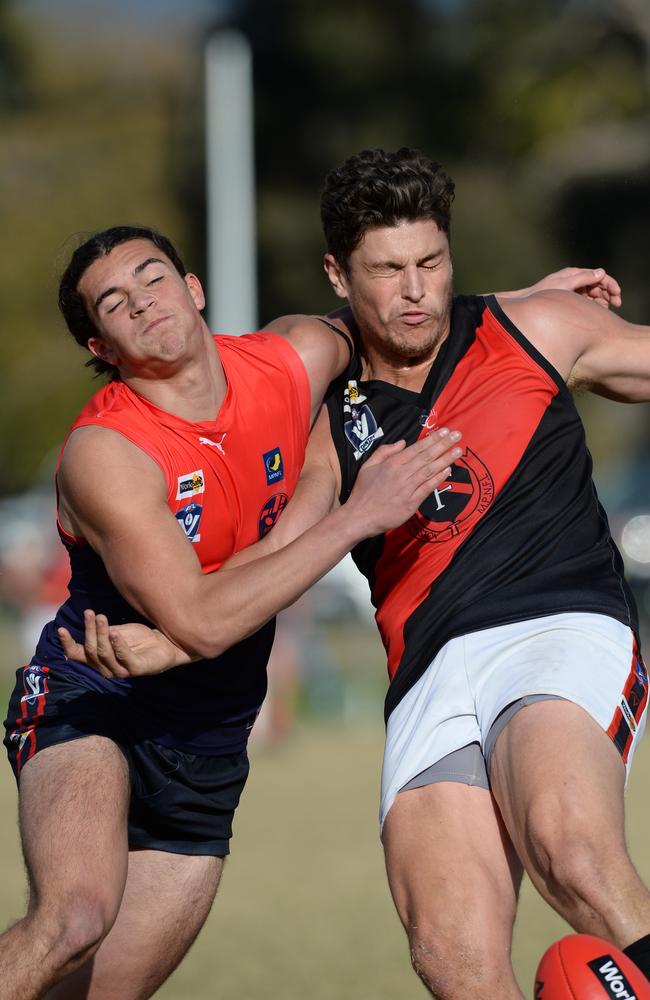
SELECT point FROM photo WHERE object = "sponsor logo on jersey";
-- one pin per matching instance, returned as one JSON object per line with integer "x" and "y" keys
{"x": 273, "y": 466}
{"x": 468, "y": 490}
{"x": 271, "y": 511}
{"x": 611, "y": 978}
{"x": 189, "y": 518}
{"x": 34, "y": 684}
{"x": 362, "y": 430}
{"x": 191, "y": 484}
{"x": 429, "y": 420}
{"x": 214, "y": 444}
{"x": 629, "y": 715}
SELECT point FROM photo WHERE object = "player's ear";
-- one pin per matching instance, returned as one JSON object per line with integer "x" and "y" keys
{"x": 196, "y": 290}
{"x": 336, "y": 274}
{"x": 101, "y": 350}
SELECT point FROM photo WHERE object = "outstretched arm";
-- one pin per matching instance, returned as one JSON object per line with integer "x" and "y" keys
{"x": 591, "y": 348}
{"x": 593, "y": 283}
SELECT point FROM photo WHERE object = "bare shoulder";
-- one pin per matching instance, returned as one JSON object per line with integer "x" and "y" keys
{"x": 560, "y": 324}
{"x": 99, "y": 474}
{"x": 101, "y": 451}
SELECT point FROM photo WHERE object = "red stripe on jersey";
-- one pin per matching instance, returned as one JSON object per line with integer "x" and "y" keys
{"x": 496, "y": 384}
{"x": 634, "y": 699}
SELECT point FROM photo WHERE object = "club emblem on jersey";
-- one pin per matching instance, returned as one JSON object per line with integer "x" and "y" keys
{"x": 189, "y": 518}
{"x": 273, "y": 466}
{"x": 444, "y": 513}
{"x": 190, "y": 484}
{"x": 271, "y": 511}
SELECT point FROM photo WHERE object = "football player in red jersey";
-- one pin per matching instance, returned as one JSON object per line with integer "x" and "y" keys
{"x": 397, "y": 277}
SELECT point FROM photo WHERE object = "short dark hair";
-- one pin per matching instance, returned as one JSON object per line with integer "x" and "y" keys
{"x": 376, "y": 188}
{"x": 99, "y": 245}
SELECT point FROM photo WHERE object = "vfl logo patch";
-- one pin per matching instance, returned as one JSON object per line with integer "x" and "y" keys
{"x": 273, "y": 466}
{"x": 271, "y": 511}
{"x": 190, "y": 485}
{"x": 469, "y": 489}
{"x": 34, "y": 685}
{"x": 611, "y": 978}
{"x": 189, "y": 518}
{"x": 362, "y": 430}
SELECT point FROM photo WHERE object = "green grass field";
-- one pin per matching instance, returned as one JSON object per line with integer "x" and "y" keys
{"x": 304, "y": 909}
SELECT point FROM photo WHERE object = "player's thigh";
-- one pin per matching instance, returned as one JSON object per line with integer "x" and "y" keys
{"x": 559, "y": 781}
{"x": 450, "y": 864}
{"x": 73, "y": 806}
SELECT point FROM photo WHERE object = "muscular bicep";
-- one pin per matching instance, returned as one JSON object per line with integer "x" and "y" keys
{"x": 115, "y": 497}
{"x": 591, "y": 348}
{"x": 324, "y": 352}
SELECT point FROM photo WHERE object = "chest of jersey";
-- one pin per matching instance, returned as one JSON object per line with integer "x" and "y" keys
{"x": 227, "y": 488}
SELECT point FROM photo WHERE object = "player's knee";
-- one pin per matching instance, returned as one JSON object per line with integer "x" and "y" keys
{"x": 570, "y": 852}
{"x": 447, "y": 960}
{"x": 76, "y": 926}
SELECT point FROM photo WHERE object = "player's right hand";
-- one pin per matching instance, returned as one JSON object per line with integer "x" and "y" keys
{"x": 396, "y": 479}
{"x": 133, "y": 650}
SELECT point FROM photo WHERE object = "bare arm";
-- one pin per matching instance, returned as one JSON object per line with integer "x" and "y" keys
{"x": 593, "y": 283}
{"x": 157, "y": 570}
{"x": 325, "y": 354}
{"x": 591, "y": 348}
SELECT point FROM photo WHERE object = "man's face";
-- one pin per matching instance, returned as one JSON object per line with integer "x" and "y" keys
{"x": 399, "y": 288}
{"x": 144, "y": 311}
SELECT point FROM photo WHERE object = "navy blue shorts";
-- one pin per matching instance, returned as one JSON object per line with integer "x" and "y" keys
{"x": 181, "y": 802}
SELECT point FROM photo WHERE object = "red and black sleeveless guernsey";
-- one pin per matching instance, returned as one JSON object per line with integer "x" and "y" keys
{"x": 227, "y": 482}
{"x": 516, "y": 532}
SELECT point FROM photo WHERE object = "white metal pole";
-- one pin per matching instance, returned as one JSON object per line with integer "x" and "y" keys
{"x": 232, "y": 277}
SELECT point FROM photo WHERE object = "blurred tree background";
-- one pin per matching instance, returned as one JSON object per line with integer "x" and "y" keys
{"x": 540, "y": 111}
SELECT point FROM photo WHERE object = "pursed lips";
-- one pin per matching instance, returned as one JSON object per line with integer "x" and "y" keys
{"x": 154, "y": 323}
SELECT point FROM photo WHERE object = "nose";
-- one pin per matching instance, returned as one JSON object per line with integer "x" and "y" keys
{"x": 412, "y": 283}
{"x": 141, "y": 299}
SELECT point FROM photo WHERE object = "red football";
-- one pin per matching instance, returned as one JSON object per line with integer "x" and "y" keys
{"x": 583, "y": 967}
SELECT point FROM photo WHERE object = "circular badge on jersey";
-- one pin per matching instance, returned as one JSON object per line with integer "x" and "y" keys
{"x": 445, "y": 512}
{"x": 271, "y": 511}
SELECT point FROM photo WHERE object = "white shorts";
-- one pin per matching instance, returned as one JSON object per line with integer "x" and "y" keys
{"x": 588, "y": 659}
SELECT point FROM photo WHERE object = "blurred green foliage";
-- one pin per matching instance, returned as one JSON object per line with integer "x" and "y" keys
{"x": 540, "y": 110}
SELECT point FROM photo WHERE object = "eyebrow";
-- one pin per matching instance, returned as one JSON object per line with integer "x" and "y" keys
{"x": 396, "y": 264}
{"x": 136, "y": 270}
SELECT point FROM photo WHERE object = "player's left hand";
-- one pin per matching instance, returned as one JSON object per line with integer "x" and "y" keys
{"x": 594, "y": 283}
{"x": 132, "y": 650}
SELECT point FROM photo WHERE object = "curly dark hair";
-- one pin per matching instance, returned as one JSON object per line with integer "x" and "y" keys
{"x": 376, "y": 188}
{"x": 99, "y": 245}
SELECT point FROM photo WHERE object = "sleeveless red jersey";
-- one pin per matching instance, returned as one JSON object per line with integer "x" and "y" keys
{"x": 227, "y": 482}
{"x": 516, "y": 532}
